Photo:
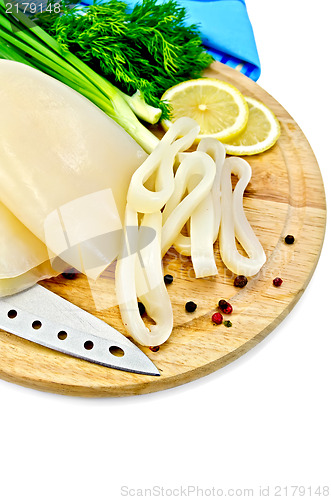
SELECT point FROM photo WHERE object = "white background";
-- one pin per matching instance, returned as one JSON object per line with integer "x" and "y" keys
{"x": 264, "y": 419}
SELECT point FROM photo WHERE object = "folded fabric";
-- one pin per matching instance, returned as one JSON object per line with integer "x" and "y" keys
{"x": 225, "y": 29}
{"x": 226, "y": 32}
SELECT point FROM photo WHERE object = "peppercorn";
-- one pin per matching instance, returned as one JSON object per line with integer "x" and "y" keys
{"x": 168, "y": 279}
{"x": 70, "y": 274}
{"x": 225, "y": 306}
{"x": 154, "y": 348}
{"x": 289, "y": 239}
{"x": 277, "y": 281}
{"x": 217, "y": 318}
{"x": 240, "y": 281}
{"x": 227, "y": 323}
{"x": 141, "y": 308}
{"x": 190, "y": 306}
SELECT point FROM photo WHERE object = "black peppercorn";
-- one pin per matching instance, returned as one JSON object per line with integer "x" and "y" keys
{"x": 222, "y": 303}
{"x": 154, "y": 348}
{"x": 168, "y": 279}
{"x": 190, "y": 306}
{"x": 289, "y": 239}
{"x": 141, "y": 308}
{"x": 240, "y": 281}
{"x": 70, "y": 274}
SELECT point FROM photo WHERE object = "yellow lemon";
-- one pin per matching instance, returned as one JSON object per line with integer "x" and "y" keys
{"x": 218, "y": 107}
{"x": 261, "y": 132}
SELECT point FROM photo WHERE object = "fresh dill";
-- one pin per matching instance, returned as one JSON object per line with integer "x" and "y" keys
{"x": 148, "y": 48}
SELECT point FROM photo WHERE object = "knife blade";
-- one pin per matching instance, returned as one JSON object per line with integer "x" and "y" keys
{"x": 41, "y": 316}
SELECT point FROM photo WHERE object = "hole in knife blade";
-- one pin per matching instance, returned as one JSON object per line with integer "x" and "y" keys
{"x": 62, "y": 335}
{"x": 12, "y": 314}
{"x": 36, "y": 325}
{"x": 116, "y": 351}
{"x": 89, "y": 345}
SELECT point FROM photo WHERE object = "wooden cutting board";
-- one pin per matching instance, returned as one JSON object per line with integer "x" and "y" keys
{"x": 285, "y": 196}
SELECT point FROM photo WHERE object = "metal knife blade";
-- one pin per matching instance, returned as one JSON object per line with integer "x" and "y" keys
{"x": 45, "y": 318}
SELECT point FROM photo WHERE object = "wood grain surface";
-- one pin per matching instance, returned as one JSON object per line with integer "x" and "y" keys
{"x": 285, "y": 196}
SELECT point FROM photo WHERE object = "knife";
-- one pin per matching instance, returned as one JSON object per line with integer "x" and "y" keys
{"x": 41, "y": 316}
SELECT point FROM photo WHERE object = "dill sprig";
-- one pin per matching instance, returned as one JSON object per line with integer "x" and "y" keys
{"x": 148, "y": 48}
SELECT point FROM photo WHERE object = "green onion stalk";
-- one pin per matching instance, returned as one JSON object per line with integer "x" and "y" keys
{"x": 23, "y": 41}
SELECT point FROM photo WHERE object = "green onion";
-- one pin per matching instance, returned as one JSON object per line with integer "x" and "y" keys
{"x": 23, "y": 41}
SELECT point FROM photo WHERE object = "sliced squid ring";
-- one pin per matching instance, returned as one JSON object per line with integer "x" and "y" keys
{"x": 234, "y": 224}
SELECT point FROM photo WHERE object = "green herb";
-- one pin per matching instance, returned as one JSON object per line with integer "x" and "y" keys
{"x": 148, "y": 49}
{"x": 23, "y": 41}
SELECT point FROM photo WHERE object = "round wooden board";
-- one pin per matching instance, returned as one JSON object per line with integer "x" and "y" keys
{"x": 285, "y": 196}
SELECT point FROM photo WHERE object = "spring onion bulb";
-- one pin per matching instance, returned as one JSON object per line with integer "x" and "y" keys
{"x": 234, "y": 224}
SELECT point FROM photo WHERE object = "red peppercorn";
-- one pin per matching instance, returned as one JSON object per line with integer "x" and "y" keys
{"x": 217, "y": 318}
{"x": 225, "y": 306}
{"x": 154, "y": 348}
{"x": 228, "y": 309}
{"x": 277, "y": 281}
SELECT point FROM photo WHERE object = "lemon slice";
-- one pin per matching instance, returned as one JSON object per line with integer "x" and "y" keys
{"x": 261, "y": 132}
{"x": 218, "y": 107}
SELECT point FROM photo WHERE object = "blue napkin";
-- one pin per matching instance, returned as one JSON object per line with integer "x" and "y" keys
{"x": 226, "y": 32}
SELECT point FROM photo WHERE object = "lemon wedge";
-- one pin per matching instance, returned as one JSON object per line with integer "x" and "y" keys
{"x": 261, "y": 132}
{"x": 218, "y": 107}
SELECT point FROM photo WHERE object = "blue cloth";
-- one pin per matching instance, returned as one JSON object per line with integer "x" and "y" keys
{"x": 226, "y": 32}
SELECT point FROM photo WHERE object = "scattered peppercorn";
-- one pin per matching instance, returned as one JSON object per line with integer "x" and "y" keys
{"x": 168, "y": 279}
{"x": 70, "y": 274}
{"x": 141, "y": 308}
{"x": 225, "y": 306}
{"x": 277, "y": 281}
{"x": 240, "y": 281}
{"x": 217, "y": 318}
{"x": 190, "y": 306}
{"x": 289, "y": 239}
{"x": 154, "y": 348}
{"x": 227, "y": 323}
